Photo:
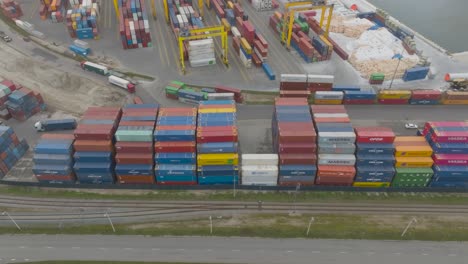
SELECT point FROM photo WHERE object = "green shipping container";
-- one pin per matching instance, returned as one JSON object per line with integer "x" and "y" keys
{"x": 134, "y": 135}
{"x": 414, "y": 172}
{"x": 171, "y": 90}
{"x": 405, "y": 185}
{"x": 377, "y": 76}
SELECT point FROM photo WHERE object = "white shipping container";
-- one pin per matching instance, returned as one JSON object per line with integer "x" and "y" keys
{"x": 122, "y": 83}
{"x": 246, "y": 62}
{"x": 260, "y": 170}
{"x": 336, "y": 159}
{"x": 312, "y": 78}
{"x": 259, "y": 159}
{"x": 188, "y": 101}
{"x": 256, "y": 183}
{"x": 328, "y": 95}
{"x": 336, "y": 115}
{"x": 203, "y": 62}
{"x": 221, "y": 96}
{"x": 235, "y": 32}
{"x": 295, "y": 78}
{"x": 336, "y": 137}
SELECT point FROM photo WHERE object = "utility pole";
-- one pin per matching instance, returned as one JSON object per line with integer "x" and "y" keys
{"x": 298, "y": 187}
{"x": 13, "y": 220}
{"x": 110, "y": 221}
{"x": 211, "y": 225}
{"x": 399, "y": 57}
{"x": 312, "y": 219}
{"x": 408, "y": 226}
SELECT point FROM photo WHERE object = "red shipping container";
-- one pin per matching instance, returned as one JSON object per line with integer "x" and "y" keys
{"x": 135, "y": 179}
{"x": 53, "y": 177}
{"x": 262, "y": 40}
{"x": 248, "y": 31}
{"x": 297, "y": 136}
{"x": 393, "y": 101}
{"x": 134, "y": 158}
{"x": 307, "y": 127}
{"x": 58, "y": 136}
{"x": 291, "y": 101}
{"x": 298, "y": 159}
{"x": 93, "y": 145}
{"x": 256, "y": 60}
{"x": 375, "y": 137}
{"x": 214, "y": 106}
{"x": 288, "y": 86}
{"x": 359, "y": 101}
{"x": 182, "y": 146}
{"x": 297, "y": 148}
{"x": 216, "y": 136}
{"x": 336, "y": 171}
{"x": 9, "y": 84}
{"x": 450, "y": 159}
{"x": 183, "y": 127}
{"x": 426, "y": 94}
{"x": 134, "y": 147}
{"x": 217, "y": 128}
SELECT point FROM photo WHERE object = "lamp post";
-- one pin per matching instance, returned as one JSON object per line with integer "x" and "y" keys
{"x": 399, "y": 57}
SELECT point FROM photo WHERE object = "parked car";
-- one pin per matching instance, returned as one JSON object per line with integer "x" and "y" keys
{"x": 411, "y": 126}
{"x": 5, "y": 37}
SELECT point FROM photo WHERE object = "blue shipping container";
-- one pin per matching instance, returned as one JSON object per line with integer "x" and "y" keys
{"x": 175, "y": 158}
{"x": 297, "y": 170}
{"x": 86, "y": 167}
{"x": 180, "y": 170}
{"x": 208, "y": 180}
{"x": 445, "y": 184}
{"x": 450, "y": 171}
{"x": 93, "y": 157}
{"x": 52, "y": 169}
{"x": 52, "y": 159}
{"x": 221, "y": 147}
{"x": 174, "y": 135}
{"x": 372, "y": 149}
{"x": 449, "y": 148}
{"x": 218, "y": 170}
{"x": 375, "y": 160}
{"x": 134, "y": 169}
{"x": 374, "y": 171}
{"x": 340, "y": 88}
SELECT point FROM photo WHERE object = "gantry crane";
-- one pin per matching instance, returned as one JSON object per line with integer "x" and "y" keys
{"x": 290, "y": 11}
{"x": 216, "y": 31}
{"x": 153, "y": 8}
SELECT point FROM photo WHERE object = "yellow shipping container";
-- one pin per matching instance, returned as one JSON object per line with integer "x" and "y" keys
{"x": 410, "y": 139}
{"x": 328, "y": 101}
{"x": 246, "y": 46}
{"x": 230, "y": 4}
{"x": 416, "y": 162}
{"x": 226, "y": 24}
{"x": 413, "y": 151}
{"x": 394, "y": 94}
{"x": 371, "y": 184}
{"x": 454, "y": 102}
{"x": 217, "y": 159}
{"x": 217, "y": 110}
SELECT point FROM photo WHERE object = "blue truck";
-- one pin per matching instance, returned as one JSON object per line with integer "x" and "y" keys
{"x": 58, "y": 124}
{"x": 79, "y": 50}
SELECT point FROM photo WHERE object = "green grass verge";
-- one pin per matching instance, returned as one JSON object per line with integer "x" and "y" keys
{"x": 376, "y": 227}
{"x": 253, "y": 196}
{"x": 138, "y": 75}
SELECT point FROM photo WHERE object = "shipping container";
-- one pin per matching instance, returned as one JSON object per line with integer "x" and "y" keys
{"x": 259, "y": 159}
{"x": 414, "y": 162}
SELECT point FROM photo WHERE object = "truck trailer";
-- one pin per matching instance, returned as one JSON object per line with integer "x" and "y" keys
{"x": 122, "y": 83}
{"x": 57, "y": 124}
{"x": 94, "y": 67}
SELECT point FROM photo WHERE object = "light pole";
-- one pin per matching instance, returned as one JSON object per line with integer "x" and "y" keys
{"x": 13, "y": 220}
{"x": 399, "y": 57}
{"x": 110, "y": 220}
{"x": 298, "y": 186}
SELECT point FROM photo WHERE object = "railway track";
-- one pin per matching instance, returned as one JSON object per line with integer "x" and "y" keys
{"x": 124, "y": 210}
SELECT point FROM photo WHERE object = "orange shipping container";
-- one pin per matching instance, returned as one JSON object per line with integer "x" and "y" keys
{"x": 333, "y": 171}
{"x": 416, "y": 162}
{"x": 413, "y": 151}
{"x": 410, "y": 139}
{"x": 454, "y": 102}
{"x": 135, "y": 179}
{"x": 411, "y": 144}
{"x": 332, "y": 120}
{"x": 93, "y": 145}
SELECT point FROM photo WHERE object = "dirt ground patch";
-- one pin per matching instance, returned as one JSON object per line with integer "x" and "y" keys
{"x": 61, "y": 90}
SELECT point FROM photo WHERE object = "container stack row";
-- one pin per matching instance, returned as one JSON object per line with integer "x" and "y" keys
{"x": 6, "y": 88}
{"x": 217, "y": 143}
{"x": 360, "y": 96}
{"x": 11, "y": 9}
{"x": 82, "y": 19}
{"x": 94, "y": 147}
{"x": 294, "y": 138}
{"x": 425, "y": 97}
{"x": 53, "y": 159}
{"x": 23, "y": 103}
{"x": 336, "y": 148}
{"x": 411, "y": 150}
{"x": 12, "y": 149}
{"x": 175, "y": 146}
{"x": 134, "y": 144}
{"x": 259, "y": 169}
{"x": 449, "y": 142}
{"x": 375, "y": 166}
{"x": 133, "y": 24}
{"x": 53, "y": 9}
{"x": 304, "y": 85}
{"x": 455, "y": 98}
{"x": 394, "y": 97}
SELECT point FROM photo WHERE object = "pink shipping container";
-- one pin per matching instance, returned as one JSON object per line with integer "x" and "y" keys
{"x": 450, "y": 159}
{"x": 450, "y": 136}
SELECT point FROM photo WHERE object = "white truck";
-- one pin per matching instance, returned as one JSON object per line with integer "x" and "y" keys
{"x": 122, "y": 83}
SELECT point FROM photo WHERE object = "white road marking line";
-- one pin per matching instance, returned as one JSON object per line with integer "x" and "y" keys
{"x": 180, "y": 249}
{"x": 75, "y": 247}
{"x": 22, "y": 247}
{"x": 102, "y": 248}
{"x": 315, "y": 252}
{"x": 452, "y": 255}
{"x": 26, "y": 259}
{"x": 209, "y": 250}
{"x": 12, "y": 259}
{"x": 155, "y": 249}
{"x": 370, "y": 253}
{"x": 128, "y": 248}
{"x": 289, "y": 251}
{"x": 49, "y": 247}
{"x": 397, "y": 253}
{"x": 343, "y": 252}
{"x": 425, "y": 254}
{"x": 235, "y": 250}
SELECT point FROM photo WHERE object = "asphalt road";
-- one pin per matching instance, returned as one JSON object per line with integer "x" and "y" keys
{"x": 227, "y": 250}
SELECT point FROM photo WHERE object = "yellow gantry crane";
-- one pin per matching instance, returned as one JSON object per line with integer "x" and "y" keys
{"x": 116, "y": 7}
{"x": 217, "y": 31}
{"x": 290, "y": 11}
{"x": 153, "y": 8}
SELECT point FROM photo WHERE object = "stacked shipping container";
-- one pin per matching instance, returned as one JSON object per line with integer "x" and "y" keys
{"x": 6, "y": 87}
{"x": 11, "y": 9}
{"x": 53, "y": 9}
{"x": 11, "y": 149}
{"x": 259, "y": 169}
{"x": 375, "y": 157}
{"x": 82, "y": 19}
{"x": 362, "y": 96}
{"x": 425, "y": 97}
{"x": 175, "y": 146}
{"x": 336, "y": 146}
{"x": 134, "y": 144}
{"x": 394, "y": 97}
{"x": 217, "y": 143}
{"x": 294, "y": 138}
{"x": 415, "y": 148}
{"x": 455, "y": 97}
{"x": 94, "y": 148}
{"x": 133, "y": 24}
{"x": 23, "y": 103}
{"x": 449, "y": 141}
{"x": 53, "y": 159}
{"x": 295, "y": 85}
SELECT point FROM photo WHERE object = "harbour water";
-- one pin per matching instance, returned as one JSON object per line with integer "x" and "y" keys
{"x": 443, "y": 21}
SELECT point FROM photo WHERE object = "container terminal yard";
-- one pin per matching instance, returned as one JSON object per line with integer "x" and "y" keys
{"x": 177, "y": 131}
